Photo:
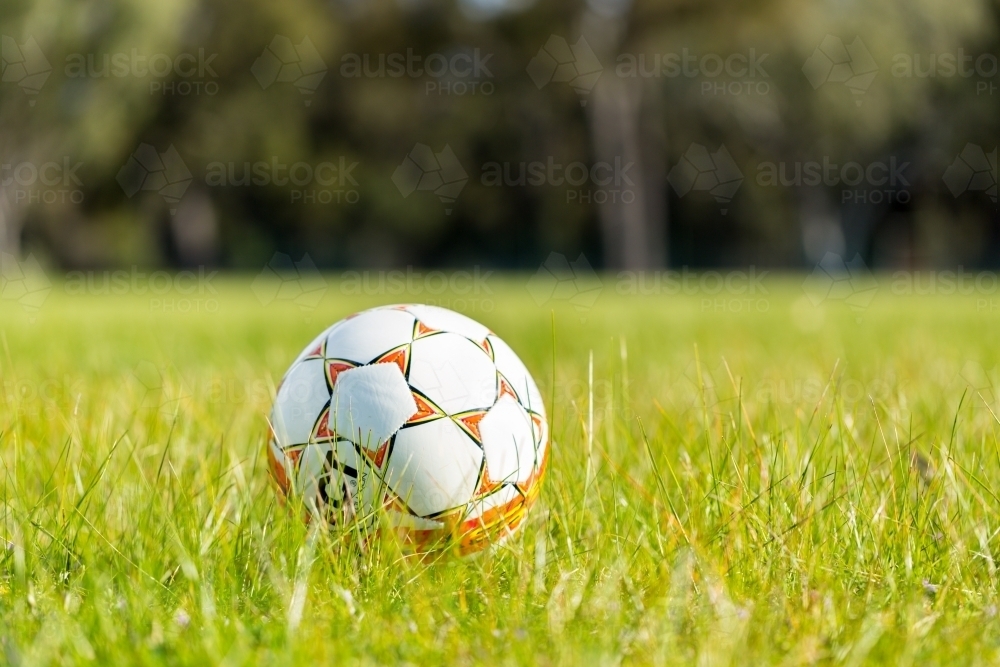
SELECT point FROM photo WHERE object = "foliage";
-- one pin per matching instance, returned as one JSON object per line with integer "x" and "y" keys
{"x": 99, "y": 119}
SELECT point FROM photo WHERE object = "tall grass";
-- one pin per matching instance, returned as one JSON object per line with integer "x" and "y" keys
{"x": 787, "y": 485}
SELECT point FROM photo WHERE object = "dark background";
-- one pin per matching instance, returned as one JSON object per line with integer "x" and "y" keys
{"x": 96, "y": 107}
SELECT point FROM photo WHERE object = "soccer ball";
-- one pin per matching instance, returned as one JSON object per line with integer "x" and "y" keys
{"x": 412, "y": 418}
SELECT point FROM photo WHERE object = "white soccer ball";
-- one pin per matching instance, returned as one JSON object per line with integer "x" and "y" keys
{"x": 413, "y": 417}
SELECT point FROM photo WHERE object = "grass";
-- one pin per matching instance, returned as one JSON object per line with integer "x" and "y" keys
{"x": 783, "y": 485}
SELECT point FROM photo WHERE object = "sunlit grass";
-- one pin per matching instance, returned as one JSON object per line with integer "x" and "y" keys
{"x": 788, "y": 484}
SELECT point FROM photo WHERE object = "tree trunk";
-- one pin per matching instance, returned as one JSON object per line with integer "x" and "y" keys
{"x": 623, "y": 115}
{"x": 11, "y": 221}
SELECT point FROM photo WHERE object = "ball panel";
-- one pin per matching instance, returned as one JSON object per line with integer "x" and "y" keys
{"x": 370, "y": 403}
{"x": 495, "y": 519}
{"x": 333, "y": 481}
{"x": 532, "y": 486}
{"x": 470, "y": 423}
{"x": 299, "y": 402}
{"x": 310, "y": 473}
{"x": 426, "y": 409}
{"x": 508, "y": 442}
{"x": 455, "y": 373}
{"x": 510, "y": 366}
{"x": 408, "y": 521}
{"x": 339, "y": 487}
{"x": 442, "y": 319}
{"x": 314, "y": 348}
{"x": 369, "y": 335}
{"x": 502, "y": 496}
{"x": 433, "y": 467}
{"x": 540, "y": 431}
{"x": 280, "y": 467}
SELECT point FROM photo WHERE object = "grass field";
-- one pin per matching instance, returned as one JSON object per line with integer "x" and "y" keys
{"x": 771, "y": 482}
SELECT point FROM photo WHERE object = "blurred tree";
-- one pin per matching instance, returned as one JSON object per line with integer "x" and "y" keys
{"x": 208, "y": 105}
